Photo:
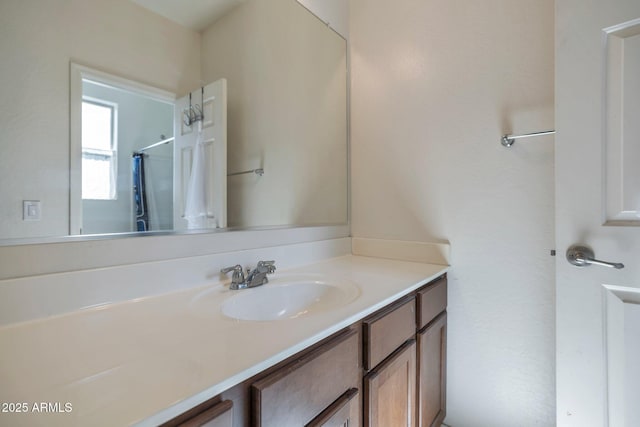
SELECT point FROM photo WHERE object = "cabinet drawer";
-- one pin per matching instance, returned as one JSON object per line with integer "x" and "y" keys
{"x": 431, "y": 301}
{"x": 387, "y": 330}
{"x": 295, "y": 394}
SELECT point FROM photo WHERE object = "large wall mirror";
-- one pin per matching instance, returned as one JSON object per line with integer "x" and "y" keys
{"x": 94, "y": 88}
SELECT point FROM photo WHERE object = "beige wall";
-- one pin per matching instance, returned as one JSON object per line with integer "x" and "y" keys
{"x": 38, "y": 40}
{"x": 286, "y": 80}
{"x": 434, "y": 86}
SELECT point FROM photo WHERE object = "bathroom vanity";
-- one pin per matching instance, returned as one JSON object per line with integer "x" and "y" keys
{"x": 388, "y": 369}
{"x": 368, "y": 346}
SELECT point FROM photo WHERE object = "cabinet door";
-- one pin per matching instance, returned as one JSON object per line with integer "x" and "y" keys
{"x": 344, "y": 412}
{"x": 390, "y": 390}
{"x": 432, "y": 371}
{"x": 220, "y": 415}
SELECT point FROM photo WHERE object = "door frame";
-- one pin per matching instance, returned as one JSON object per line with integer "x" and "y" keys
{"x": 78, "y": 73}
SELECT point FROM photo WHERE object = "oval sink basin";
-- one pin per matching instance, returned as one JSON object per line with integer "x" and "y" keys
{"x": 276, "y": 301}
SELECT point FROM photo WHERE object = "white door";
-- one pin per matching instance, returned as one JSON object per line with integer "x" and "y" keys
{"x": 212, "y": 103}
{"x": 598, "y": 205}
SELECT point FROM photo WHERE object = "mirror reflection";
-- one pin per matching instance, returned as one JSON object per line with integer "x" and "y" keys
{"x": 105, "y": 157}
{"x": 127, "y": 183}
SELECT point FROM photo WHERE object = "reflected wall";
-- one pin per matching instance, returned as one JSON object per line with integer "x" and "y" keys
{"x": 38, "y": 40}
{"x": 287, "y": 113}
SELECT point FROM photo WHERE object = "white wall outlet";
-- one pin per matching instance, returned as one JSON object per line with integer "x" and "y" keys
{"x": 31, "y": 210}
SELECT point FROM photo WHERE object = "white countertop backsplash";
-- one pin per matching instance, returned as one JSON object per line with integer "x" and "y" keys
{"x": 146, "y": 352}
{"x": 27, "y": 298}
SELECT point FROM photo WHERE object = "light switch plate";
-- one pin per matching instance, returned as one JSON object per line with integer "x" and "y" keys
{"x": 31, "y": 210}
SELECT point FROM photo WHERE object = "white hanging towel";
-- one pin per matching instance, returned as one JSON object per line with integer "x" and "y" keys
{"x": 195, "y": 211}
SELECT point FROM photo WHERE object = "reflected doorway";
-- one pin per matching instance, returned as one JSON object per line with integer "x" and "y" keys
{"x": 122, "y": 177}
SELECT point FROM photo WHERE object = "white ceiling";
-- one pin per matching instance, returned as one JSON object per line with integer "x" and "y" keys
{"x": 194, "y": 14}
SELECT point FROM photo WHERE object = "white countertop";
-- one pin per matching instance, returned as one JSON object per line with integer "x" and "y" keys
{"x": 145, "y": 361}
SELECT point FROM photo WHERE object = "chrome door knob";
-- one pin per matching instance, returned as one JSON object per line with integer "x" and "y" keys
{"x": 583, "y": 256}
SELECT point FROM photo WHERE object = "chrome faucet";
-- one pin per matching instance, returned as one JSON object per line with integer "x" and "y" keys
{"x": 254, "y": 278}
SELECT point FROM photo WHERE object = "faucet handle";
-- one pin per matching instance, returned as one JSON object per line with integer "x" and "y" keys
{"x": 234, "y": 268}
{"x": 238, "y": 273}
{"x": 269, "y": 265}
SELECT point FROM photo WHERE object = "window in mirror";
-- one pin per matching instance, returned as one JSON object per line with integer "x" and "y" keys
{"x": 99, "y": 159}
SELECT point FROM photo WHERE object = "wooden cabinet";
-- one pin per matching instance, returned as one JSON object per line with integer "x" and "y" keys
{"x": 432, "y": 372}
{"x": 390, "y": 390}
{"x": 409, "y": 386}
{"x": 390, "y": 356}
{"x": 432, "y": 352}
{"x": 297, "y": 393}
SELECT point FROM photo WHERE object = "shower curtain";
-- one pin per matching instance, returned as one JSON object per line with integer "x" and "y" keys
{"x": 140, "y": 193}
